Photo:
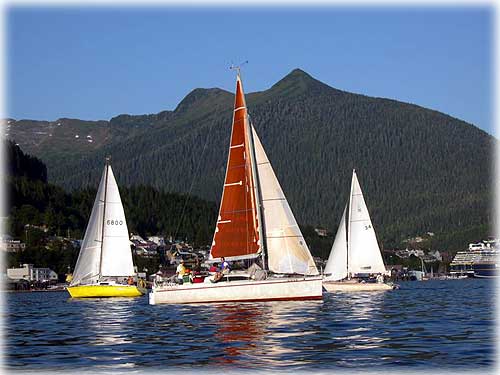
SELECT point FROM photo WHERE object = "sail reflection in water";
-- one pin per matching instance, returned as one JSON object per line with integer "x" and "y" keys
{"x": 262, "y": 334}
{"x": 239, "y": 330}
{"x": 106, "y": 322}
{"x": 115, "y": 314}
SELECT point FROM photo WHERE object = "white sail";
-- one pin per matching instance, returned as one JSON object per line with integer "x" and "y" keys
{"x": 336, "y": 266}
{"x": 286, "y": 248}
{"x": 116, "y": 252}
{"x": 113, "y": 247}
{"x": 363, "y": 251}
{"x": 87, "y": 266}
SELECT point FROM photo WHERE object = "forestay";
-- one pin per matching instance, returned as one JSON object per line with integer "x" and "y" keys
{"x": 287, "y": 251}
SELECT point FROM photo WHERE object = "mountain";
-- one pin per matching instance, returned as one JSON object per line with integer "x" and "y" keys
{"x": 421, "y": 170}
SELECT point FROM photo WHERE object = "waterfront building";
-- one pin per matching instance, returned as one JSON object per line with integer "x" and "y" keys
{"x": 136, "y": 238}
{"x": 158, "y": 240}
{"x": 406, "y": 253}
{"x": 436, "y": 254}
{"x": 430, "y": 257}
{"x": 146, "y": 248}
{"x": 30, "y": 273}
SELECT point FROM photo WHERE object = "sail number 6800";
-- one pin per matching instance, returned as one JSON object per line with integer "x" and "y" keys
{"x": 114, "y": 222}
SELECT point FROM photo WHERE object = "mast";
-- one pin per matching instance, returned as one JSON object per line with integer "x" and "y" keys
{"x": 237, "y": 231}
{"x": 348, "y": 222}
{"x": 258, "y": 195}
{"x": 104, "y": 213}
{"x": 255, "y": 174}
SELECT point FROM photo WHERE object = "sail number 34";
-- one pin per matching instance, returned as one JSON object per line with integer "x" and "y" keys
{"x": 114, "y": 222}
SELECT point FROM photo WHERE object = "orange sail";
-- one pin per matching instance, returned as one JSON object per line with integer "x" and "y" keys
{"x": 237, "y": 233}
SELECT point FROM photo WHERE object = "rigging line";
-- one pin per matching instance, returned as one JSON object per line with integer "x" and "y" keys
{"x": 192, "y": 181}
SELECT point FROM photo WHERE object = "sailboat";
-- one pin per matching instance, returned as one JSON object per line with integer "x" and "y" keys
{"x": 355, "y": 251}
{"x": 105, "y": 263}
{"x": 255, "y": 225}
{"x": 425, "y": 276}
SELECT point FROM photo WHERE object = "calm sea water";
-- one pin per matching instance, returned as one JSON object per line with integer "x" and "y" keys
{"x": 447, "y": 324}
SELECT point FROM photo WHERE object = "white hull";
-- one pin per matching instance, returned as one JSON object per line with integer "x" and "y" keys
{"x": 346, "y": 286}
{"x": 273, "y": 289}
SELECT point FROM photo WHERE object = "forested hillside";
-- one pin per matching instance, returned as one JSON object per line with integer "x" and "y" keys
{"x": 420, "y": 170}
{"x": 32, "y": 201}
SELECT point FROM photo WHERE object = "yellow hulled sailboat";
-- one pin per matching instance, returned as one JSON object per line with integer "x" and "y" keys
{"x": 104, "y": 267}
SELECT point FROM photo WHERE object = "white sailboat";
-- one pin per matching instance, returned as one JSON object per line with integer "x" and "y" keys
{"x": 105, "y": 260}
{"x": 355, "y": 250}
{"x": 255, "y": 223}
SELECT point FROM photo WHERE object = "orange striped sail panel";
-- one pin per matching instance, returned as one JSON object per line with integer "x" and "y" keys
{"x": 236, "y": 233}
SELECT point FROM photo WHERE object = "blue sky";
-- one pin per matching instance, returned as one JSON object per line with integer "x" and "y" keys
{"x": 96, "y": 63}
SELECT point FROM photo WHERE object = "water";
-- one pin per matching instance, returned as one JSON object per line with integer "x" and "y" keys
{"x": 448, "y": 324}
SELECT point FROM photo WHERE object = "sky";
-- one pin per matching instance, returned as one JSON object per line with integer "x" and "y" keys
{"x": 96, "y": 63}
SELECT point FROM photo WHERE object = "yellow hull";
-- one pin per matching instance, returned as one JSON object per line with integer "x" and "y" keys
{"x": 88, "y": 291}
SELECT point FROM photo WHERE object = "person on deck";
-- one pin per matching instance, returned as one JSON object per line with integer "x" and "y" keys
{"x": 179, "y": 273}
{"x": 224, "y": 270}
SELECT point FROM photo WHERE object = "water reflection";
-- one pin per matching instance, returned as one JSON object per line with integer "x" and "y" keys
{"x": 423, "y": 325}
{"x": 240, "y": 328}
{"x": 106, "y": 331}
{"x": 355, "y": 325}
{"x": 105, "y": 319}
{"x": 262, "y": 334}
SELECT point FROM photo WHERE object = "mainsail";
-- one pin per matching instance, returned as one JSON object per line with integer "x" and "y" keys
{"x": 105, "y": 253}
{"x": 116, "y": 253}
{"x": 286, "y": 248}
{"x": 237, "y": 233}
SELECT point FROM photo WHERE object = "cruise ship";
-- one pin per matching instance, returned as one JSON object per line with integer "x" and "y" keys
{"x": 480, "y": 260}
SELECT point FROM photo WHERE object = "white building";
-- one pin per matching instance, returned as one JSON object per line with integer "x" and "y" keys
{"x": 160, "y": 241}
{"x": 28, "y": 272}
{"x": 20, "y": 273}
{"x": 136, "y": 237}
{"x": 436, "y": 254}
{"x": 408, "y": 252}
{"x": 44, "y": 274}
